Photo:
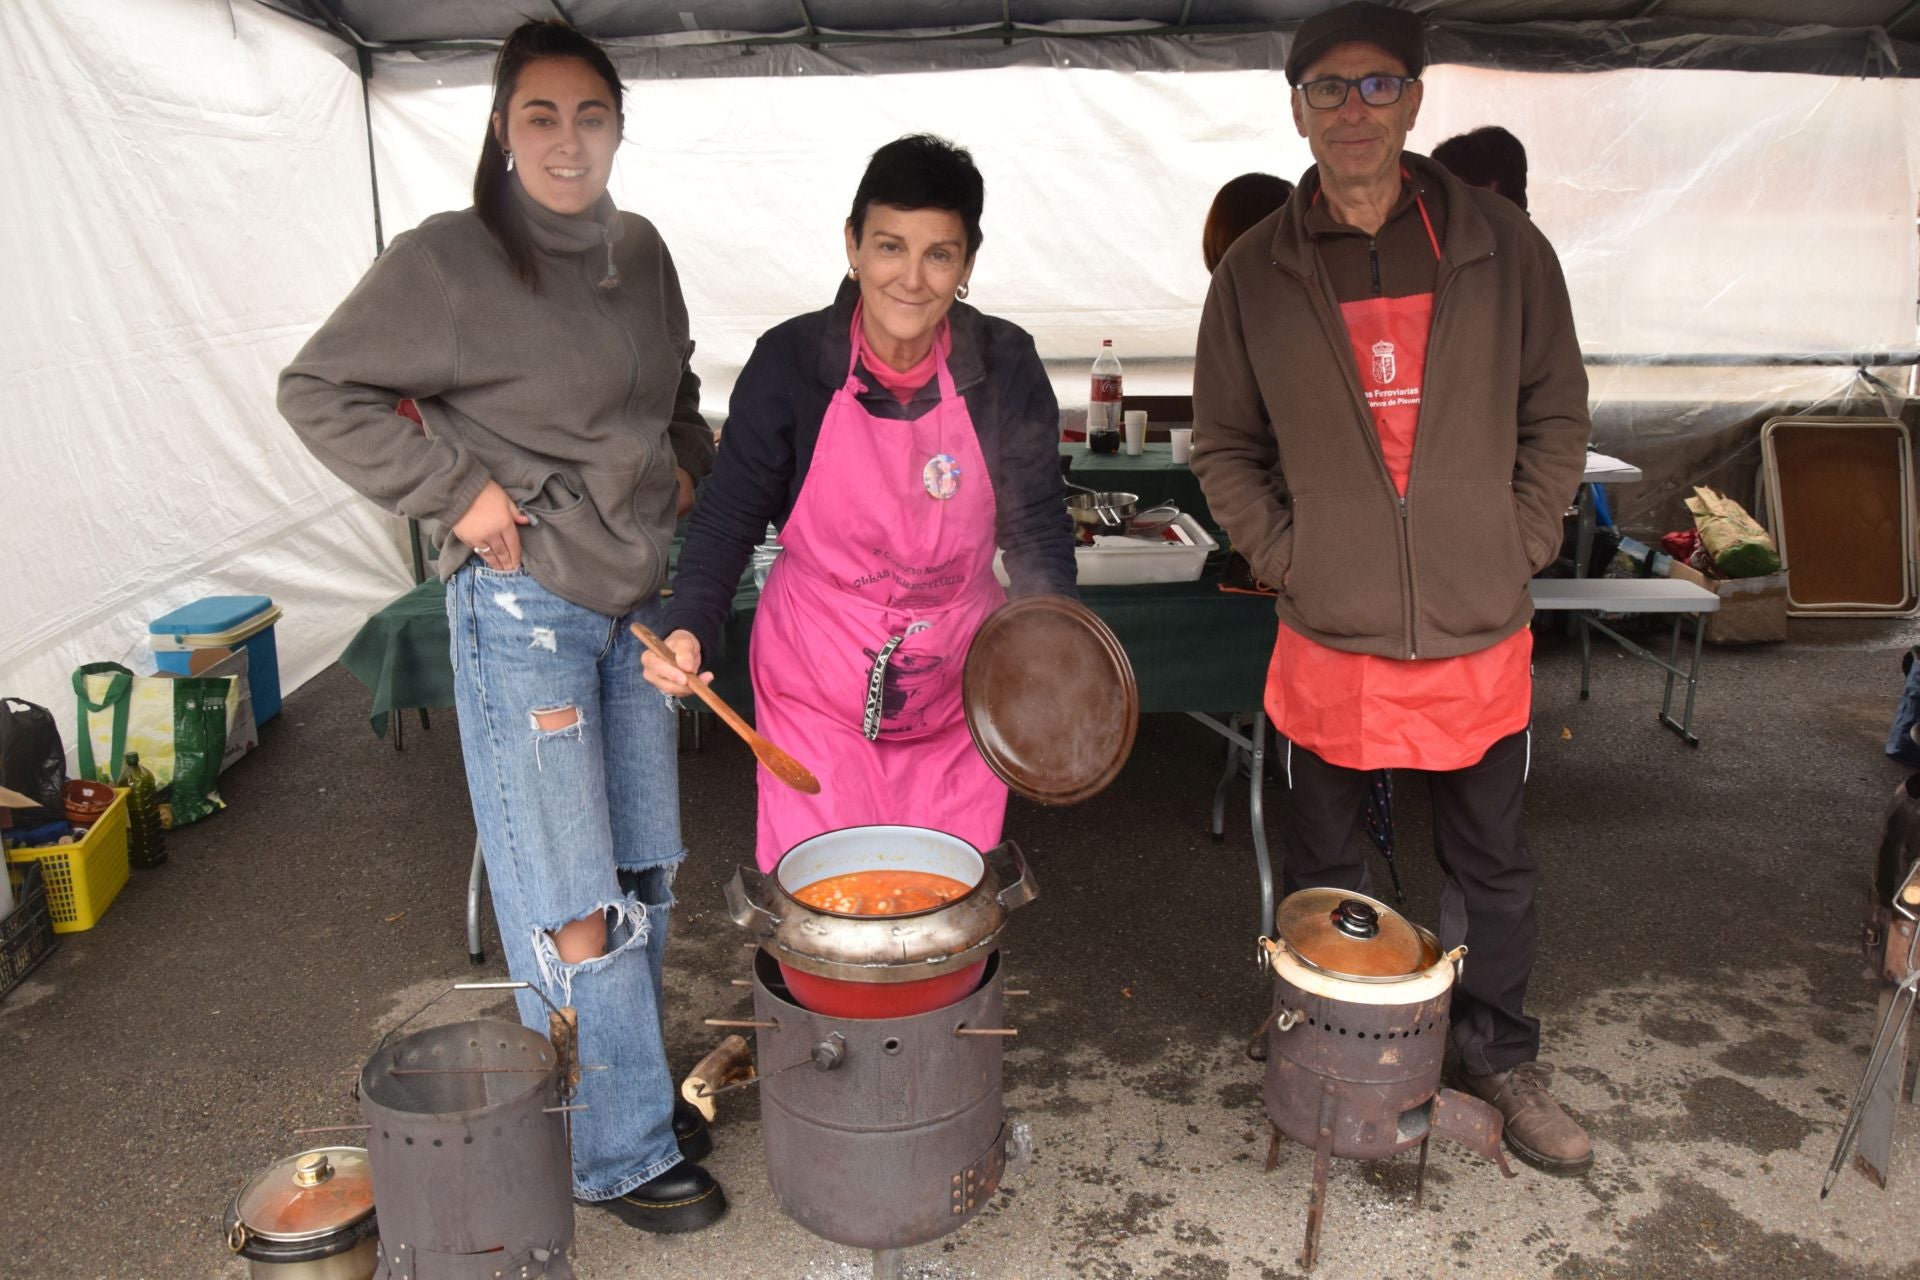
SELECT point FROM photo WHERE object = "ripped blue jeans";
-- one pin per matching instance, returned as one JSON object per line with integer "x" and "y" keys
{"x": 572, "y": 768}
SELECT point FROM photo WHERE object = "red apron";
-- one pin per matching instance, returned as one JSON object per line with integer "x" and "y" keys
{"x": 1359, "y": 711}
{"x": 885, "y": 574}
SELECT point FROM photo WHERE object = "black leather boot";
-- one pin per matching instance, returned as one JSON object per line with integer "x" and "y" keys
{"x": 684, "y": 1198}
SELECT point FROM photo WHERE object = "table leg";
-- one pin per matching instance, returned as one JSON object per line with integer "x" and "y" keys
{"x": 1583, "y": 531}
{"x": 1219, "y": 827}
{"x": 1586, "y": 650}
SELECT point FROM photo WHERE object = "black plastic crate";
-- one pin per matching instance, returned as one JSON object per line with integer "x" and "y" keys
{"x": 26, "y": 935}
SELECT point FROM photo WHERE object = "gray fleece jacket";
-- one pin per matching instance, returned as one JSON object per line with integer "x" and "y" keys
{"x": 577, "y": 398}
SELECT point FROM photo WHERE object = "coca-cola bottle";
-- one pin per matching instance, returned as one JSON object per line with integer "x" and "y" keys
{"x": 1103, "y": 402}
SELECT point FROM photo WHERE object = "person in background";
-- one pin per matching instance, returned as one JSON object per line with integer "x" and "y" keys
{"x": 1487, "y": 157}
{"x": 896, "y": 438}
{"x": 1400, "y": 481}
{"x": 543, "y": 337}
{"x": 1239, "y": 204}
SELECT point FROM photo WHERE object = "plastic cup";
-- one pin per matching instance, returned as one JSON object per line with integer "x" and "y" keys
{"x": 1136, "y": 420}
{"x": 1182, "y": 438}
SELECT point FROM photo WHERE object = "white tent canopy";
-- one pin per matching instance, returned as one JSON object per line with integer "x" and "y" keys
{"x": 192, "y": 193}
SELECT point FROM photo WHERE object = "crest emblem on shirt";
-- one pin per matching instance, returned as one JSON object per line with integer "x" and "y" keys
{"x": 1383, "y": 367}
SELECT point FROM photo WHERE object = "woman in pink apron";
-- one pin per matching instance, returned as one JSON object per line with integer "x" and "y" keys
{"x": 896, "y": 439}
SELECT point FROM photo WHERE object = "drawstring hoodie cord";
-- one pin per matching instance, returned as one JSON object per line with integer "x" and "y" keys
{"x": 611, "y": 280}
{"x": 582, "y": 234}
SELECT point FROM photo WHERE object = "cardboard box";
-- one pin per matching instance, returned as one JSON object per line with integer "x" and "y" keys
{"x": 1752, "y": 610}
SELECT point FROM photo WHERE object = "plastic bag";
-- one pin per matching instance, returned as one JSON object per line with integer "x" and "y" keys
{"x": 1739, "y": 546}
{"x": 178, "y": 724}
{"x": 33, "y": 760}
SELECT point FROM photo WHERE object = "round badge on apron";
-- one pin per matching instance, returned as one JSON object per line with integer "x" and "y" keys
{"x": 941, "y": 475}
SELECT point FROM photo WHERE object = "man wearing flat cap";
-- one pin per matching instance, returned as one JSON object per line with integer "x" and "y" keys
{"x": 1390, "y": 417}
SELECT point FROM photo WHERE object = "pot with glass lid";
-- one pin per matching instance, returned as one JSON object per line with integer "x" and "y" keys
{"x": 1357, "y": 1037}
{"x": 307, "y": 1217}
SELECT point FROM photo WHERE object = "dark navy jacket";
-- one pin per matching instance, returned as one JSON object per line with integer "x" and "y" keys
{"x": 774, "y": 421}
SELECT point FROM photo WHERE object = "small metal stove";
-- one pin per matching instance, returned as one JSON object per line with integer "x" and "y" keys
{"x": 881, "y": 1133}
{"x": 468, "y": 1142}
{"x": 1356, "y": 1041}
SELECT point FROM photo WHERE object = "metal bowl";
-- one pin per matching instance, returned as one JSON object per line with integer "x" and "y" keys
{"x": 1097, "y": 511}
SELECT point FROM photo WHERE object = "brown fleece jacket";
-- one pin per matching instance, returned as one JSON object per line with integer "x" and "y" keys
{"x": 1285, "y": 450}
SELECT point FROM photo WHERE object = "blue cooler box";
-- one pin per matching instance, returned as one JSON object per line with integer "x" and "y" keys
{"x": 224, "y": 622}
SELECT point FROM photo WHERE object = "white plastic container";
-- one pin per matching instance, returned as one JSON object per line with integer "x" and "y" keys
{"x": 1122, "y": 561}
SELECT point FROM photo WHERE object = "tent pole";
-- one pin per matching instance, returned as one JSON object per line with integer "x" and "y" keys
{"x": 365, "y": 58}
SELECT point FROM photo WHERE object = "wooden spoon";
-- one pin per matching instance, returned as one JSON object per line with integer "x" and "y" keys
{"x": 779, "y": 763}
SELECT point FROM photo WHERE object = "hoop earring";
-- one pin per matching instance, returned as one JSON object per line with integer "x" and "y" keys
{"x": 509, "y": 156}
{"x": 853, "y": 273}
{"x": 961, "y": 293}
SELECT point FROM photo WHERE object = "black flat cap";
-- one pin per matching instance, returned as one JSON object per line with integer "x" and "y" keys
{"x": 1398, "y": 31}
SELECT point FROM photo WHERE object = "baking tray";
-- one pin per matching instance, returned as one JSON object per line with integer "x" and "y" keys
{"x": 1840, "y": 500}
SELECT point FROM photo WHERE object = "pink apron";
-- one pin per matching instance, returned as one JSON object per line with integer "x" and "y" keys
{"x": 885, "y": 574}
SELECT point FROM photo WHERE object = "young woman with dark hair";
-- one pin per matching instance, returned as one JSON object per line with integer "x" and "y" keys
{"x": 897, "y": 438}
{"x": 543, "y": 336}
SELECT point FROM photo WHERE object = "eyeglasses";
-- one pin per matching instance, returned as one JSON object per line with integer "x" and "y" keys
{"x": 1376, "y": 91}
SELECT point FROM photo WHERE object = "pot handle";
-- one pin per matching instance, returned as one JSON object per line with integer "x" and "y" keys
{"x": 1017, "y": 886}
{"x": 747, "y": 905}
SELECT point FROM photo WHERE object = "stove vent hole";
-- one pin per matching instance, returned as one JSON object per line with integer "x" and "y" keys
{"x": 1343, "y": 1031}
{"x": 890, "y": 1045}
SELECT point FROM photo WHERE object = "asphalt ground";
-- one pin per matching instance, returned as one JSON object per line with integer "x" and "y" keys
{"x": 1700, "y": 983}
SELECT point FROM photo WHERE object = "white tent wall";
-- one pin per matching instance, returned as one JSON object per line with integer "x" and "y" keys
{"x": 186, "y": 195}
{"x": 1712, "y": 213}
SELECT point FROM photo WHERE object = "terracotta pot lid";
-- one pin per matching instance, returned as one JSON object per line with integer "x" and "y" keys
{"x": 1350, "y": 935}
{"x": 1050, "y": 699}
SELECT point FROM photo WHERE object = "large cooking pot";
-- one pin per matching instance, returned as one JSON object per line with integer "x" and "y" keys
{"x": 858, "y": 966}
{"x": 307, "y": 1217}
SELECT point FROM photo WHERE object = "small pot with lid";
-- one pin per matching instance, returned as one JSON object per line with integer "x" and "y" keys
{"x": 1348, "y": 937}
{"x": 1360, "y": 1004}
{"x": 307, "y": 1217}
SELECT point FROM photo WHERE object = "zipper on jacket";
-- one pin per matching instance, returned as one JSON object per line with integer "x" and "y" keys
{"x": 1373, "y": 263}
{"x": 1406, "y": 542}
{"x": 1442, "y": 287}
{"x": 601, "y": 290}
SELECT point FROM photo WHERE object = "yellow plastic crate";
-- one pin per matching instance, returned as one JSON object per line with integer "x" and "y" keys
{"x": 83, "y": 877}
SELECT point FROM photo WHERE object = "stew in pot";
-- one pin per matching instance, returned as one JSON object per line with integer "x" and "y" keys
{"x": 881, "y": 893}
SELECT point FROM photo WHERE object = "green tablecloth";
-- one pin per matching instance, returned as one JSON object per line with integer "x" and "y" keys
{"x": 1193, "y": 648}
